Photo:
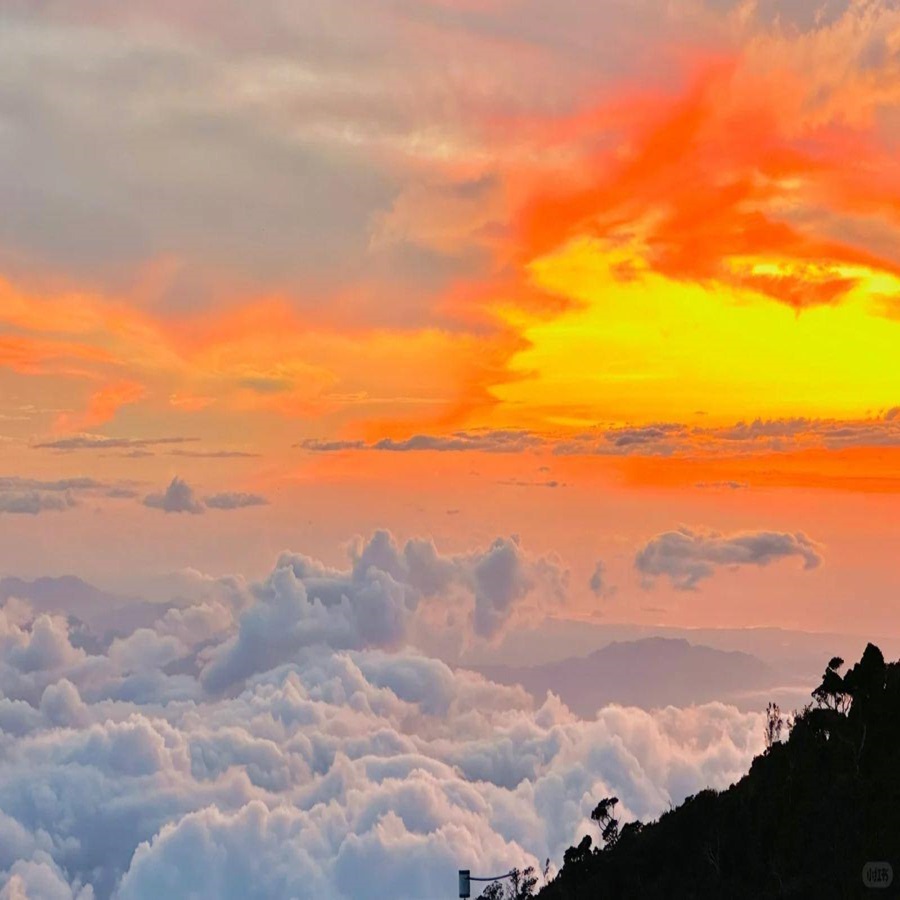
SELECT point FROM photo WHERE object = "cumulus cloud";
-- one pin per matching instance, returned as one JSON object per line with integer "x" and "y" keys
{"x": 341, "y": 773}
{"x": 388, "y": 590}
{"x": 687, "y": 557}
{"x": 234, "y": 500}
{"x": 178, "y": 497}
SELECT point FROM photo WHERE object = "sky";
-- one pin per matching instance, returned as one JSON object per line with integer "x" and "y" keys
{"x": 457, "y": 269}
{"x": 489, "y": 312}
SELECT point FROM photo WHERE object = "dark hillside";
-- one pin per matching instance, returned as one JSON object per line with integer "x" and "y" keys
{"x": 812, "y": 811}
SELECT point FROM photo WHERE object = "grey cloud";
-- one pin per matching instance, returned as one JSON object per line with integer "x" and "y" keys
{"x": 499, "y": 441}
{"x": 101, "y": 442}
{"x": 32, "y": 503}
{"x": 320, "y": 446}
{"x": 41, "y": 877}
{"x": 30, "y": 496}
{"x": 660, "y": 439}
{"x": 786, "y": 434}
{"x": 47, "y": 648}
{"x": 500, "y": 577}
{"x": 266, "y": 385}
{"x": 597, "y": 582}
{"x": 649, "y": 434}
{"x": 687, "y": 557}
{"x": 490, "y": 442}
{"x": 122, "y": 493}
{"x": 62, "y": 484}
{"x": 766, "y": 428}
{"x": 153, "y": 132}
{"x": 374, "y": 604}
{"x": 234, "y": 500}
{"x": 222, "y": 160}
{"x": 215, "y": 454}
{"x": 791, "y": 14}
{"x": 178, "y": 497}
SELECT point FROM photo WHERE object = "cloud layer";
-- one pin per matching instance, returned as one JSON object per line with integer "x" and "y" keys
{"x": 656, "y": 439}
{"x": 280, "y": 738}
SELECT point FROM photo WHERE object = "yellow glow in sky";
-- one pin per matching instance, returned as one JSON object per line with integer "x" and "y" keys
{"x": 651, "y": 348}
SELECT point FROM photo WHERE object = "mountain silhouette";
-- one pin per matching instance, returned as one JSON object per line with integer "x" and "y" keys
{"x": 811, "y": 817}
{"x": 649, "y": 673}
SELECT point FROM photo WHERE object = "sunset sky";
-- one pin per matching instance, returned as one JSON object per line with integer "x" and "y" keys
{"x": 585, "y": 273}
{"x": 354, "y": 353}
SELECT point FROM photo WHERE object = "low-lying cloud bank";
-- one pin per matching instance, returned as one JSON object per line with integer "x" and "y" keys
{"x": 284, "y": 739}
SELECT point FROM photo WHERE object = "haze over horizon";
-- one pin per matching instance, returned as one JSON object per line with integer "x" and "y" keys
{"x": 356, "y": 355}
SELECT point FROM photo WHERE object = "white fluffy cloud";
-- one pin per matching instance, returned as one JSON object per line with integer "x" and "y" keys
{"x": 377, "y": 601}
{"x": 277, "y": 740}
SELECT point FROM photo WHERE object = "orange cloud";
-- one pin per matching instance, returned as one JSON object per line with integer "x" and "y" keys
{"x": 727, "y": 173}
{"x": 752, "y": 179}
{"x": 34, "y": 356}
{"x": 102, "y": 406}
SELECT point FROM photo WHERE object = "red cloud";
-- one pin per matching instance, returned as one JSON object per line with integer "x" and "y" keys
{"x": 727, "y": 173}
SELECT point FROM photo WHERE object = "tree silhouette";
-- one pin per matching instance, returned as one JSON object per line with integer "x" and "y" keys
{"x": 832, "y": 692}
{"x": 603, "y": 816}
{"x": 821, "y": 802}
{"x": 574, "y": 856}
{"x": 520, "y": 886}
{"x": 774, "y": 725}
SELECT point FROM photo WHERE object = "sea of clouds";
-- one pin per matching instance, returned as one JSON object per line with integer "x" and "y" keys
{"x": 291, "y": 738}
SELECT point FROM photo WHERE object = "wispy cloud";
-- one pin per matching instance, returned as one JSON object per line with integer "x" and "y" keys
{"x": 31, "y": 502}
{"x": 655, "y": 439}
{"x": 30, "y": 496}
{"x": 102, "y": 442}
{"x": 215, "y": 454}
{"x": 234, "y": 500}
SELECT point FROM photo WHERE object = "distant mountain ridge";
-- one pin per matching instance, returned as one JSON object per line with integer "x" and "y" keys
{"x": 649, "y": 673}
{"x": 70, "y": 596}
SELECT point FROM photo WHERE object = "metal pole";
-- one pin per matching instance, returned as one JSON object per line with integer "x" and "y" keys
{"x": 465, "y": 879}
